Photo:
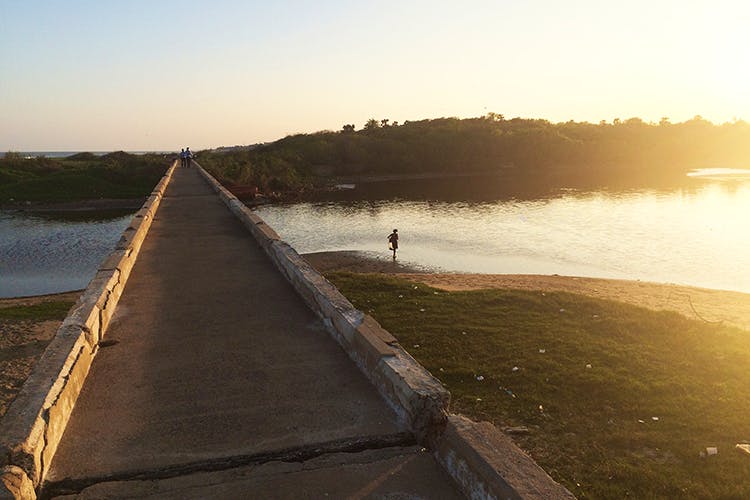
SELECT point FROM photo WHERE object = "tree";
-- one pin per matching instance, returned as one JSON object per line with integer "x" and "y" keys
{"x": 494, "y": 117}
{"x": 372, "y": 124}
{"x": 348, "y": 128}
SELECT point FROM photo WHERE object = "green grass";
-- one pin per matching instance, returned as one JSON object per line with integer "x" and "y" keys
{"x": 38, "y": 312}
{"x": 590, "y": 428}
{"x": 79, "y": 177}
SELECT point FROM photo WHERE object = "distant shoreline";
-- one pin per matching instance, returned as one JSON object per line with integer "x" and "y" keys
{"x": 76, "y": 206}
{"x": 65, "y": 154}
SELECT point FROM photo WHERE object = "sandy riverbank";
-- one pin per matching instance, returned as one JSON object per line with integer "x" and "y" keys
{"x": 103, "y": 204}
{"x": 731, "y": 308}
{"x": 22, "y": 342}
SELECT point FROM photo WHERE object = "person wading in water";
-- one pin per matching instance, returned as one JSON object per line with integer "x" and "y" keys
{"x": 393, "y": 242}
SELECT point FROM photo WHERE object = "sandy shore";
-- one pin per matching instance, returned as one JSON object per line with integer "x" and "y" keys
{"x": 22, "y": 343}
{"x": 730, "y": 308}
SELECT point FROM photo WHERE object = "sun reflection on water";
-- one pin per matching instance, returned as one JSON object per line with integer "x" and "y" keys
{"x": 695, "y": 236}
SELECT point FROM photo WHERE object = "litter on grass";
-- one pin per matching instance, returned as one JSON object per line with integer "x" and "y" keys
{"x": 480, "y": 378}
{"x": 588, "y": 366}
{"x": 712, "y": 450}
{"x": 515, "y": 369}
{"x": 416, "y": 346}
{"x": 421, "y": 310}
{"x": 516, "y": 430}
{"x": 542, "y": 351}
{"x": 655, "y": 419}
{"x": 743, "y": 447}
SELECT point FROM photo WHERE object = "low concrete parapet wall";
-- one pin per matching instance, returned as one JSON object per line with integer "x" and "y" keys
{"x": 484, "y": 462}
{"x": 32, "y": 428}
{"x": 419, "y": 400}
{"x": 487, "y": 464}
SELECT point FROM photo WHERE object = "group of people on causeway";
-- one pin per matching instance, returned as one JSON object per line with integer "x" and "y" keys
{"x": 185, "y": 156}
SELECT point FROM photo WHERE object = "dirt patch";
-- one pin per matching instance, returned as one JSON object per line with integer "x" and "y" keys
{"x": 730, "y": 308}
{"x": 712, "y": 306}
{"x": 22, "y": 342}
{"x": 362, "y": 262}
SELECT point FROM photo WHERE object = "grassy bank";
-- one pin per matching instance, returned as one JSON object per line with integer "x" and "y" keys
{"x": 83, "y": 176}
{"x": 43, "y": 311}
{"x": 618, "y": 400}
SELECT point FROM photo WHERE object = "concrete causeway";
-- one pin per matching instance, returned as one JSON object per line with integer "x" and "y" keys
{"x": 215, "y": 380}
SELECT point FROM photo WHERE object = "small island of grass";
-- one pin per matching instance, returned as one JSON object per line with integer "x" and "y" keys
{"x": 28, "y": 182}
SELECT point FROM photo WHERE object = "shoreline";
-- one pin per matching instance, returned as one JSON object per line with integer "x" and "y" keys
{"x": 76, "y": 206}
{"x": 703, "y": 304}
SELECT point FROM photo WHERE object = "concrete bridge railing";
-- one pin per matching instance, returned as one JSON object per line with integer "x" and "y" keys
{"x": 32, "y": 428}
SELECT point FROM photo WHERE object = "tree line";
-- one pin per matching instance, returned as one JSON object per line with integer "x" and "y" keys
{"x": 621, "y": 151}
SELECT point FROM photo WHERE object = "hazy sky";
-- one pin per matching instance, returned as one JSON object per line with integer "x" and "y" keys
{"x": 103, "y": 75}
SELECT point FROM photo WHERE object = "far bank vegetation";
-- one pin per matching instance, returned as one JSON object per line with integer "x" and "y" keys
{"x": 572, "y": 152}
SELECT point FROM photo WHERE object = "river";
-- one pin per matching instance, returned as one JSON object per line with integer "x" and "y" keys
{"x": 697, "y": 234}
{"x": 42, "y": 254}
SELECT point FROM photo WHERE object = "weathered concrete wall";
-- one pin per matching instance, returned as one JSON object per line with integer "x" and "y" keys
{"x": 32, "y": 428}
{"x": 483, "y": 462}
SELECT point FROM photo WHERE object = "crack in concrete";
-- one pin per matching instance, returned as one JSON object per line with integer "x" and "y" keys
{"x": 69, "y": 486}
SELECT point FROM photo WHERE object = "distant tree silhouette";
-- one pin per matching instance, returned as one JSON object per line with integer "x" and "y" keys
{"x": 534, "y": 149}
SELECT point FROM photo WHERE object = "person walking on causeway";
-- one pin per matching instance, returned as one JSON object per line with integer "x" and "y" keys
{"x": 393, "y": 242}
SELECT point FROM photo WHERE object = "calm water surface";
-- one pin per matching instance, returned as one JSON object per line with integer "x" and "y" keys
{"x": 40, "y": 255}
{"x": 695, "y": 236}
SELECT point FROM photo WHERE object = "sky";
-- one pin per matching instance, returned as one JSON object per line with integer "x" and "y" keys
{"x": 103, "y": 75}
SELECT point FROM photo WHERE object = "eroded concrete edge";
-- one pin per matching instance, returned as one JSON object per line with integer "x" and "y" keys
{"x": 484, "y": 462}
{"x": 487, "y": 464}
{"x": 31, "y": 429}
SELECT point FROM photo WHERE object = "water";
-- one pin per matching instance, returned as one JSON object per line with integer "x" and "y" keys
{"x": 40, "y": 255}
{"x": 697, "y": 235}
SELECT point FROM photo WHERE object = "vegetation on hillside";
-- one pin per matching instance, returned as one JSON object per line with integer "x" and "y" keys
{"x": 630, "y": 150}
{"x": 83, "y": 176}
{"x": 617, "y": 401}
